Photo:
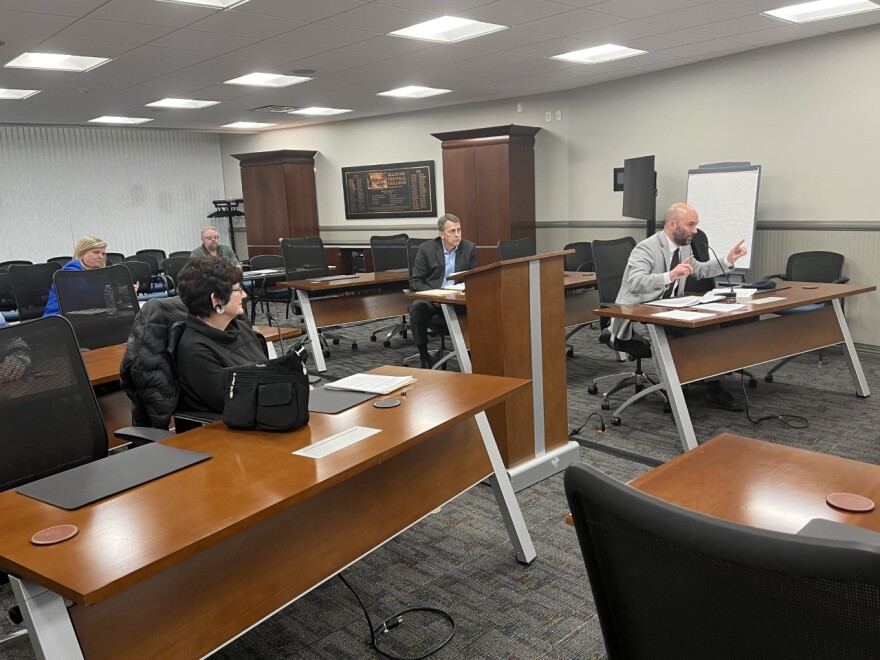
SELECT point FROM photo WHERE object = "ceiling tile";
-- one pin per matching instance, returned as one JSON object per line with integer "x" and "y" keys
{"x": 514, "y": 12}
{"x": 503, "y": 58}
{"x": 556, "y": 46}
{"x": 738, "y": 26}
{"x": 776, "y": 35}
{"x": 170, "y": 14}
{"x": 848, "y": 22}
{"x": 711, "y": 12}
{"x": 208, "y": 42}
{"x": 66, "y": 8}
{"x": 379, "y": 18}
{"x": 26, "y": 23}
{"x": 572, "y": 22}
{"x": 667, "y": 40}
{"x": 704, "y": 48}
{"x": 450, "y": 53}
{"x": 242, "y": 24}
{"x": 760, "y": 5}
{"x": 642, "y": 8}
{"x": 621, "y": 33}
{"x": 442, "y": 7}
{"x": 90, "y": 47}
{"x": 277, "y": 50}
{"x": 300, "y": 10}
{"x": 509, "y": 39}
{"x": 133, "y": 34}
{"x": 344, "y": 58}
{"x": 385, "y": 45}
{"x": 329, "y": 36}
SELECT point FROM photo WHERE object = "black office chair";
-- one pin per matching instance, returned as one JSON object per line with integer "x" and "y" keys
{"x": 4, "y": 265}
{"x": 180, "y": 253}
{"x": 142, "y": 276}
{"x": 148, "y": 373}
{"x": 610, "y": 259}
{"x": 157, "y": 281}
{"x": 158, "y": 255}
{"x": 580, "y": 261}
{"x": 668, "y": 582}
{"x": 31, "y": 286}
{"x": 100, "y": 304}
{"x": 7, "y": 294}
{"x": 305, "y": 259}
{"x": 113, "y": 258}
{"x": 389, "y": 254}
{"x": 61, "y": 261}
{"x": 263, "y": 290}
{"x": 815, "y": 266}
{"x": 514, "y": 249}
{"x": 171, "y": 268}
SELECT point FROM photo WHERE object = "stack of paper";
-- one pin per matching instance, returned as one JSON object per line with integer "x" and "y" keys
{"x": 371, "y": 383}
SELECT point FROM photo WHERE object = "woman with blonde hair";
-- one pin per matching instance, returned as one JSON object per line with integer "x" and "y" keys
{"x": 88, "y": 254}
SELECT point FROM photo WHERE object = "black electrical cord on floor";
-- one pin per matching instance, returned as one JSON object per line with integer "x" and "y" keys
{"x": 797, "y": 422}
{"x": 589, "y": 417}
{"x": 393, "y": 621}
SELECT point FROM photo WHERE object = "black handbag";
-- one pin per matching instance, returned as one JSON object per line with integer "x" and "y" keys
{"x": 270, "y": 396}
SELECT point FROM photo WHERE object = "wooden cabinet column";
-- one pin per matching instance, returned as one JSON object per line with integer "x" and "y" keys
{"x": 280, "y": 198}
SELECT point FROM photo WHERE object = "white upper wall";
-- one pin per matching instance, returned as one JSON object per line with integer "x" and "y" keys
{"x": 805, "y": 111}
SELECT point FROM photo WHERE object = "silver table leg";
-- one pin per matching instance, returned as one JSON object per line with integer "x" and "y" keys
{"x": 666, "y": 367}
{"x": 505, "y": 497}
{"x": 48, "y": 623}
{"x": 849, "y": 352}
{"x": 457, "y": 337}
{"x": 312, "y": 329}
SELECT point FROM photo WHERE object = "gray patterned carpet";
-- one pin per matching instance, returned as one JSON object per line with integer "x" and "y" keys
{"x": 460, "y": 560}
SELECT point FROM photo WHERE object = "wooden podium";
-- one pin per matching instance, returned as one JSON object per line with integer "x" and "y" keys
{"x": 516, "y": 326}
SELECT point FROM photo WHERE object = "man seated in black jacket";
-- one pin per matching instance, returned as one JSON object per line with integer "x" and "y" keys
{"x": 436, "y": 260}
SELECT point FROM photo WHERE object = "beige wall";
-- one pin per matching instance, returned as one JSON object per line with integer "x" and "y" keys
{"x": 805, "y": 111}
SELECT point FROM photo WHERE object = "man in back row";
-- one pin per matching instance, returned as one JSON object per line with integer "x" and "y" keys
{"x": 211, "y": 247}
{"x": 658, "y": 268}
{"x": 435, "y": 261}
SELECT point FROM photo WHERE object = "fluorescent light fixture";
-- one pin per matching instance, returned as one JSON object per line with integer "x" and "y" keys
{"x": 599, "y": 54}
{"x": 414, "y": 92}
{"x": 119, "y": 120}
{"x": 266, "y": 80}
{"x": 314, "y": 110}
{"x": 56, "y": 62}
{"x": 247, "y": 124}
{"x": 17, "y": 94}
{"x": 447, "y": 30}
{"x": 818, "y": 11}
{"x": 184, "y": 104}
{"x": 220, "y": 4}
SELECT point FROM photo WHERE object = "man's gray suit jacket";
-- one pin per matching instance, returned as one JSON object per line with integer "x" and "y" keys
{"x": 643, "y": 280}
{"x": 430, "y": 265}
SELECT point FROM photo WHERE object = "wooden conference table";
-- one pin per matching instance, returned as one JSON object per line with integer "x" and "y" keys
{"x": 102, "y": 365}
{"x": 762, "y": 484}
{"x": 361, "y": 297}
{"x": 150, "y": 578}
{"x": 578, "y": 309}
{"x": 720, "y": 350}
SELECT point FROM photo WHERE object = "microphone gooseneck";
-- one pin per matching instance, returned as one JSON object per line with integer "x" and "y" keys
{"x": 729, "y": 293}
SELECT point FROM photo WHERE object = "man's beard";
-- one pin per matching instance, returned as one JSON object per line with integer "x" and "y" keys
{"x": 680, "y": 238}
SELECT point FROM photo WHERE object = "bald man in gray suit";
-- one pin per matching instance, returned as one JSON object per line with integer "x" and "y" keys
{"x": 655, "y": 271}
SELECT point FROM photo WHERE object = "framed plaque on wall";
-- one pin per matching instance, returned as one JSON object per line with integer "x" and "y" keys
{"x": 395, "y": 190}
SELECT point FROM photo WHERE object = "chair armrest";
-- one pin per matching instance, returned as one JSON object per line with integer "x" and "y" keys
{"x": 141, "y": 435}
{"x": 777, "y": 276}
{"x": 841, "y": 280}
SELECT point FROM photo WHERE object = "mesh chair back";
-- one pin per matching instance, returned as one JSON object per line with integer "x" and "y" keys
{"x": 148, "y": 259}
{"x": 304, "y": 258}
{"x": 158, "y": 255}
{"x": 31, "y": 285}
{"x": 264, "y": 261}
{"x": 582, "y": 259}
{"x": 669, "y": 582}
{"x": 180, "y": 253}
{"x": 7, "y": 295}
{"x": 141, "y": 273}
{"x": 4, "y": 266}
{"x": 114, "y": 258}
{"x": 172, "y": 265}
{"x": 100, "y": 304}
{"x": 816, "y": 266}
{"x": 51, "y": 419}
{"x": 389, "y": 252}
{"x": 521, "y": 247}
{"x": 610, "y": 259}
{"x": 59, "y": 260}
{"x": 412, "y": 249}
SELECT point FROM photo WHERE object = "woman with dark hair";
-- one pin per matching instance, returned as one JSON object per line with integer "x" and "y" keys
{"x": 217, "y": 336}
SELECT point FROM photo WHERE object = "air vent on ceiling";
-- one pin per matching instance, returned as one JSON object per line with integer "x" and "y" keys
{"x": 276, "y": 108}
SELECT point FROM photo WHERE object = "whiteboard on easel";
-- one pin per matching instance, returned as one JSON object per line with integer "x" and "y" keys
{"x": 726, "y": 199}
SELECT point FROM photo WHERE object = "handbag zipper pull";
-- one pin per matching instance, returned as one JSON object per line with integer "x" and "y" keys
{"x": 232, "y": 385}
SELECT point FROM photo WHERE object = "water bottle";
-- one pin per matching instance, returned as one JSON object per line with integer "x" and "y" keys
{"x": 109, "y": 300}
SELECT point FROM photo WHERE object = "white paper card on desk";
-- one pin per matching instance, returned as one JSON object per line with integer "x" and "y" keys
{"x": 332, "y": 278}
{"x": 762, "y": 300}
{"x": 745, "y": 293}
{"x": 722, "y": 307}
{"x": 336, "y": 442}
{"x": 439, "y": 292}
{"x": 675, "y": 303}
{"x": 680, "y": 315}
{"x": 371, "y": 383}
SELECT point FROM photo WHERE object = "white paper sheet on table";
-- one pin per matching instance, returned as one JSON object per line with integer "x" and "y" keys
{"x": 681, "y": 315}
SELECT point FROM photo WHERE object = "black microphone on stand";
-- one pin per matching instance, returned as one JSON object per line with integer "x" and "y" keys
{"x": 729, "y": 293}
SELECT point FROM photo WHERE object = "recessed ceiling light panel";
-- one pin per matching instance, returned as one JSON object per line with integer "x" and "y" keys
{"x": 219, "y": 4}
{"x": 447, "y": 30}
{"x": 183, "y": 104}
{"x": 598, "y": 54}
{"x": 315, "y": 110}
{"x": 56, "y": 62}
{"x": 247, "y": 124}
{"x": 266, "y": 80}
{"x": 17, "y": 94}
{"x": 119, "y": 120}
{"x": 414, "y": 92}
{"x": 821, "y": 10}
